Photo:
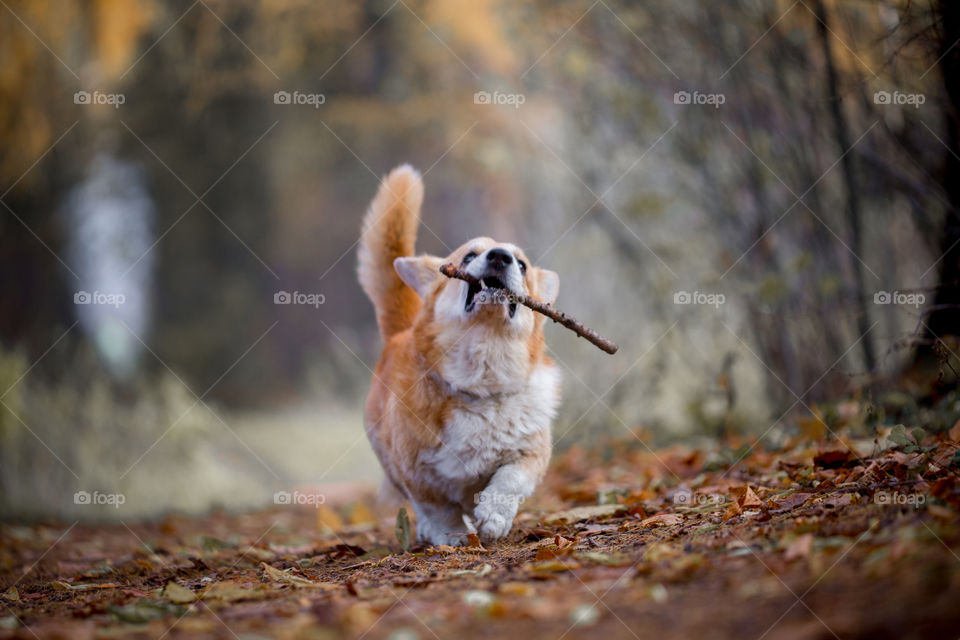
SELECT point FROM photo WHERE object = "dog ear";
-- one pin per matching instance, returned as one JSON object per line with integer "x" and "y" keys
{"x": 419, "y": 273}
{"x": 548, "y": 285}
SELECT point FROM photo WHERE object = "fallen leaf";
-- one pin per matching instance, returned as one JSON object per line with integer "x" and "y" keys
{"x": 538, "y": 534}
{"x": 440, "y": 549}
{"x": 732, "y": 511}
{"x": 473, "y": 542}
{"x": 749, "y": 499}
{"x": 230, "y": 591}
{"x": 578, "y": 514}
{"x": 178, "y": 594}
{"x": 485, "y": 570}
{"x": 791, "y": 501}
{"x": 561, "y": 542}
{"x": 832, "y": 459}
{"x": 256, "y": 553}
{"x": 66, "y": 586}
{"x": 954, "y": 432}
{"x": 11, "y": 594}
{"x": 637, "y": 510}
{"x": 841, "y": 500}
{"x": 553, "y": 566}
{"x": 594, "y": 529}
{"x": 551, "y": 552}
{"x": 662, "y": 520}
{"x": 278, "y": 575}
{"x": 328, "y": 521}
{"x": 606, "y": 559}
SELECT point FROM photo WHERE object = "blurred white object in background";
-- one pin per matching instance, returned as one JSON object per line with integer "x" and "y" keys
{"x": 109, "y": 217}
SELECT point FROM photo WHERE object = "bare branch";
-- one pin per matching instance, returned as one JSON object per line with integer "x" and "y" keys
{"x": 451, "y": 271}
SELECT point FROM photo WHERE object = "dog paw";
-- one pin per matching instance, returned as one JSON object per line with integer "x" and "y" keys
{"x": 494, "y": 518}
{"x": 437, "y": 539}
{"x": 495, "y": 527}
{"x": 439, "y": 532}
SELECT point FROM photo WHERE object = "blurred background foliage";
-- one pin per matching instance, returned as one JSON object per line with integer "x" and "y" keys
{"x": 799, "y": 198}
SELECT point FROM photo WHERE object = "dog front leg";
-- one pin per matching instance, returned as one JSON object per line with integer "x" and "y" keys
{"x": 439, "y": 523}
{"x": 498, "y": 503}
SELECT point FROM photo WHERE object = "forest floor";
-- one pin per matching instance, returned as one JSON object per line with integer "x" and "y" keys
{"x": 835, "y": 538}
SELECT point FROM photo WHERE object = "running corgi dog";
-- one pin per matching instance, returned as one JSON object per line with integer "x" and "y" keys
{"x": 462, "y": 398}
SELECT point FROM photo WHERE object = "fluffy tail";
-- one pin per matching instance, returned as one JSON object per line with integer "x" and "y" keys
{"x": 389, "y": 232}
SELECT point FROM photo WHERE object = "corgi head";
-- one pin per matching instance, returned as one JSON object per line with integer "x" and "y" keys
{"x": 471, "y": 332}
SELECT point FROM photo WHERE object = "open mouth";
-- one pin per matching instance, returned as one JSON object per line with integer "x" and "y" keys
{"x": 495, "y": 292}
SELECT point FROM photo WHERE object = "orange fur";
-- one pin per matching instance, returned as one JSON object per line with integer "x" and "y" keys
{"x": 461, "y": 402}
{"x": 390, "y": 231}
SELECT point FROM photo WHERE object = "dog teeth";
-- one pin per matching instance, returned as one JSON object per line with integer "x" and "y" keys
{"x": 472, "y": 291}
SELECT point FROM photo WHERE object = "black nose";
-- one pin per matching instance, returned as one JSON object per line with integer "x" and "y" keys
{"x": 499, "y": 258}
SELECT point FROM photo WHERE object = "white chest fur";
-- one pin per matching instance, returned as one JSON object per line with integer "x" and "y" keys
{"x": 488, "y": 432}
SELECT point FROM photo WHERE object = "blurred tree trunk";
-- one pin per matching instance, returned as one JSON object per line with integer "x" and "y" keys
{"x": 946, "y": 320}
{"x": 854, "y": 213}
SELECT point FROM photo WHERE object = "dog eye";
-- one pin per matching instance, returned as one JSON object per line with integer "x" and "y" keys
{"x": 469, "y": 257}
{"x": 523, "y": 266}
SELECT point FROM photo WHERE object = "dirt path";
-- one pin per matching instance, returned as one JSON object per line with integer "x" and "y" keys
{"x": 812, "y": 542}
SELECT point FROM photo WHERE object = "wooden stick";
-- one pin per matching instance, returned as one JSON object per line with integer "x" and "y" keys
{"x": 451, "y": 271}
